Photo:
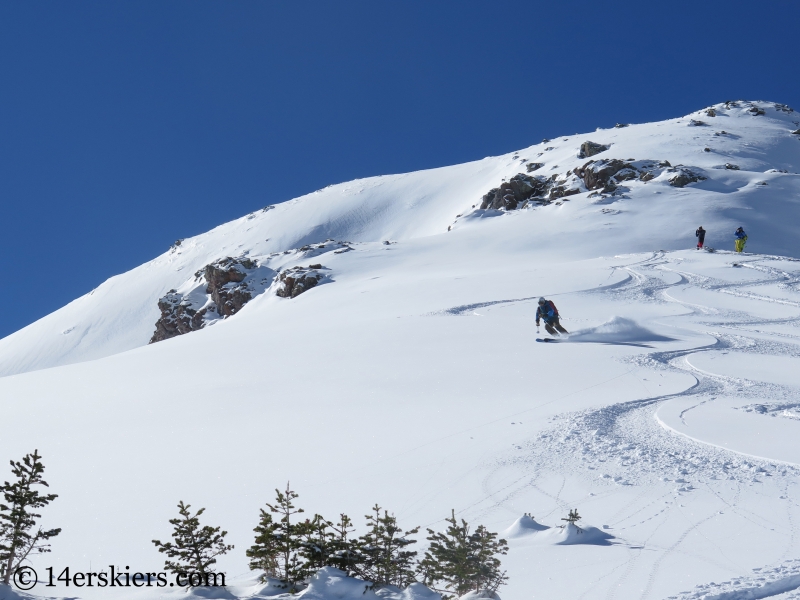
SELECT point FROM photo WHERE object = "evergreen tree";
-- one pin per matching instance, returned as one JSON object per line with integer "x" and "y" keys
{"x": 344, "y": 551}
{"x": 485, "y": 547}
{"x": 278, "y": 543}
{"x": 384, "y": 557}
{"x": 19, "y": 536}
{"x": 572, "y": 518}
{"x": 463, "y": 561}
{"x": 196, "y": 548}
{"x": 316, "y": 543}
{"x": 263, "y": 554}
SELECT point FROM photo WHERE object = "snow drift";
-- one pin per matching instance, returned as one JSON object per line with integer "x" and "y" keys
{"x": 523, "y": 526}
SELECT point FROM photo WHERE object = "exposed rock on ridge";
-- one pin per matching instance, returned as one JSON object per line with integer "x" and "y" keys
{"x": 590, "y": 149}
{"x": 177, "y": 317}
{"x": 226, "y": 284}
{"x": 604, "y": 175}
{"x": 297, "y": 280}
{"x": 218, "y": 290}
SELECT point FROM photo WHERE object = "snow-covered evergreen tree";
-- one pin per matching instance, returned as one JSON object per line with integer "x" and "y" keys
{"x": 19, "y": 536}
{"x": 485, "y": 549}
{"x": 384, "y": 555}
{"x": 316, "y": 539}
{"x": 461, "y": 561}
{"x": 263, "y": 554}
{"x": 195, "y": 548}
{"x": 344, "y": 550}
{"x": 278, "y": 544}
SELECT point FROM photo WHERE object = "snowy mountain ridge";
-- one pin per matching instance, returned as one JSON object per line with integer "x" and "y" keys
{"x": 757, "y": 141}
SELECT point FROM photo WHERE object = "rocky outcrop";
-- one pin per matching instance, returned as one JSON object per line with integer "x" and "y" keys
{"x": 607, "y": 174}
{"x": 711, "y": 112}
{"x": 533, "y": 166}
{"x": 177, "y": 317}
{"x": 684, "y": 176}
{"x": 297, "y": 280}
{"x": 226, "y": 284}
{"x": 511, "y": 194}
{"x": 604, "y": 176}
{"x": 731, "y": 167}
{"x": 590, "y": 149}
{"x": 796, "y": 132}
{"x": 695, "y": 123}
{"x": 756, "y": 111}
{"x": 598, "y": 175}
{"x": 218, "y": 290}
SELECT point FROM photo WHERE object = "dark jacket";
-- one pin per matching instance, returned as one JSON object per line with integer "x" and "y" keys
{"x": 700, "y": 234}
{"x": 546, "y": 311}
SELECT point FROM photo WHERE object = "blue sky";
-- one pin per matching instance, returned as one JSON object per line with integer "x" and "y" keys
{"x": 127, "y": 125}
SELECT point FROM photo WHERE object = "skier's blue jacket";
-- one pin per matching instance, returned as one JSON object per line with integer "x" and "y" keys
{"x": 548, "y": 312}
{"x": 740, "y": 234}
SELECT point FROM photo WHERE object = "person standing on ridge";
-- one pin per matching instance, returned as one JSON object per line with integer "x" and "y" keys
{"x": 700, "y": 234}
{"x": 548, "y": 312}
{"x": 741, "y": 239}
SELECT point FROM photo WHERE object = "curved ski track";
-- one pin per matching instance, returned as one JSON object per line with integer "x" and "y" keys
{"x": 622, "y": 444}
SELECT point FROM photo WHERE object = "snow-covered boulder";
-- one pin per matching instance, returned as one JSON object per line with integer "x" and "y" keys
{"x": 684, "y": 176}
{"x": 297, "y": 280}
{"x": 591, "y": 148}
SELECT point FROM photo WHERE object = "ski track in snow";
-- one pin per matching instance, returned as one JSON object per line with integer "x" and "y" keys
{"x": 658, "y": 490}
{"x": 624, "y": 445}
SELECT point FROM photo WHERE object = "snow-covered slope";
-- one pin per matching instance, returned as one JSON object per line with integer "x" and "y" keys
{"x": 411, "y": 376}
{"x": 121, "y": 313}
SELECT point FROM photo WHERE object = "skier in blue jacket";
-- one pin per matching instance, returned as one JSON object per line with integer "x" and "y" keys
{"x": 548, "y": 312}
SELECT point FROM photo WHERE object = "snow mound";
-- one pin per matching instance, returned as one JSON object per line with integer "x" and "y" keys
{"x": 211, "y": 593}
{"x": 8, "y": 593}
{"x": 481, "y": 595}
{"x": 526, "y": 530}
{"x": 617, "y": 330}
{"x": 523, "y": 526}
{"x": 332, "y": 584}
{"x": 571, "y": 534}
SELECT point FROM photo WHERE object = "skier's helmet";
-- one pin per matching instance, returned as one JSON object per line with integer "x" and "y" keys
{"x": 542, "y": 300}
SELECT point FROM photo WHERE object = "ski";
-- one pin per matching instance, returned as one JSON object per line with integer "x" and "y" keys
{"x": 547, "y": 340}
